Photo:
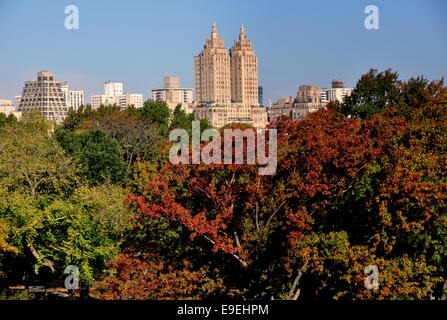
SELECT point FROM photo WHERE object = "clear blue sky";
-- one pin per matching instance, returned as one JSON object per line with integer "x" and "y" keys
{"x": 138, "y": 42}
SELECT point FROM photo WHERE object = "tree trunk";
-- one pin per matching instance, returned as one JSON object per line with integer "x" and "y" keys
{"x": 444, "y": 291}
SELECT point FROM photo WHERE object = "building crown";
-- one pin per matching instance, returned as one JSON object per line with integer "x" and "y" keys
{"x": 214, "y": 34}
{"x": 242, "y": 35}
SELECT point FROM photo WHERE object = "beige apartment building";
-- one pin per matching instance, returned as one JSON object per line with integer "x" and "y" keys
{"x": 219, "y": 116}
{"x": 173, "y": 94}
{"x": 307, "y": 100}
{"x": 226, "y": 85}
{"x": 337, "y": 93}
{"x": 8, "y": 108}
{"x": 74, "y": 98}
{"x": 114, "y": 95}
{"x": 46, "y": 96}
{"x": 308, "y": 93}
{"x": 212, "y": 72}
{"x": 244, "y": 72}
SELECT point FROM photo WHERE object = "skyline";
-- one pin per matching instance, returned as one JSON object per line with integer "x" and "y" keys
{"x": 301, "y": 43}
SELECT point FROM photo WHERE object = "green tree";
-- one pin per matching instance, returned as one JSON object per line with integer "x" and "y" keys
{"x": 157, "y": 112}
{"x": 4, "y": 119}
{"x": 49, "y": 218}
{"x": 138, "y": 138}
{"x": 376, "y": 92}
{"x": 34, "y": 170}
{"x": 372, "y": 94}
{"x": 183, "y": 120}
{"x": 98, "y": 155}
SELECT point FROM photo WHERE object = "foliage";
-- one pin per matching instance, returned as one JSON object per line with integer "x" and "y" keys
{"x": 48, "y": 217}
{"x": 7, "y": 119}
{"x": 98, "y": 155}
{"x": 361, "y": 183}
{"x": 348, "y": 192}
{"x": 157, "y": 112}
{"x": 377, "y": 91}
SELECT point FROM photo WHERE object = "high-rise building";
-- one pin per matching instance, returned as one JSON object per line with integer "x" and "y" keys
{"x": 74, "y": 99}
{"x": 46, "y": 96}
{"x": 212, "y": 72}
{"x": 244, "y": 72}
{"x": 226, "y": 86}
{"x": 114, "y": 95}
{"x": 337, "y": 93}
{"x": 307, "y": 100}
{"x": 308, "y": 93}
{"x": 113, "y": 88}
{"x": 261, "y": 95}
{"x": 173, "y": 94}
{"x": 131, "y": 99}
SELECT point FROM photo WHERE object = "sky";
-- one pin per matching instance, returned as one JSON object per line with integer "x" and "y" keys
{"x": 139, "y": 42}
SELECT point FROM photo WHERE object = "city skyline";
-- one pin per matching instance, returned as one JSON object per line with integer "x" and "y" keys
{"x": 142, "y": 48}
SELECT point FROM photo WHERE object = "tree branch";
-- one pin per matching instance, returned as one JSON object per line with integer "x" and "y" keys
{"x": 294, "y": 292}
{"x": 273, "y": 214}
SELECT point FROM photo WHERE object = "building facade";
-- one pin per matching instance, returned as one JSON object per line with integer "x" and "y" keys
{"x": 74, "y": 99}
{"x": 226, "y": 84}
{"x": 308, "y": 93}
{"x": 307, "y": 100}
{"x": 219, "y": 116}
{"x": 173, "y": 94}
{"x": 114, "y": 95}
{"x": 260, "y": 95}
{"x": 337, "y": 93}
{"x": 131, "y": 99}
{"x": 244, "y": 72}
{"x": 45, "y": 96}
{"x": 212, "y": 72}
{"x": 170, "y": 82}
{"x": 8, "y": 108}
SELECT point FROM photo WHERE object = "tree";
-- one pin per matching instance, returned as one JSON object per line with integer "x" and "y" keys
{"x": 96, "y": 222}
{"x": 377, "y": 91}
{"x": 31, "y": 160}
{"x": 97, "y": 154}
{"x": 372, "y": 94}
{"x": 347, "y": 193}
{"x": 138, "y": 138}
{"x": 49, "y": 217}
{"x": 157, "y": 112}
{"x": 33, "y": 170}
{"x": 4, "y": 119}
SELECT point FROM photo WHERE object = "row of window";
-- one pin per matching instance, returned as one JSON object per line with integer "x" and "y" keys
{"x": 42, "y": 84}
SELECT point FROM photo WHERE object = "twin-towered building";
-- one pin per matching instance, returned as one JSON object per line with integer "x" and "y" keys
{"x": 226, "y": 82}
{"x": 226, "y": 90}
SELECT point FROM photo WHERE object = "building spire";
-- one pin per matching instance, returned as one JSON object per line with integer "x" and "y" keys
{"x": 242, "y": 35}
{"x": 214, "y": 34}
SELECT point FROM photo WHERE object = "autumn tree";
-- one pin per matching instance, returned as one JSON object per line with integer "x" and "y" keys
{"x": 348, "y": 192}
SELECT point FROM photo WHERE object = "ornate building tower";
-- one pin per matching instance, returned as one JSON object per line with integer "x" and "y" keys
{"x": 244, "y": 72}
{"x": 212, "y": 72}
